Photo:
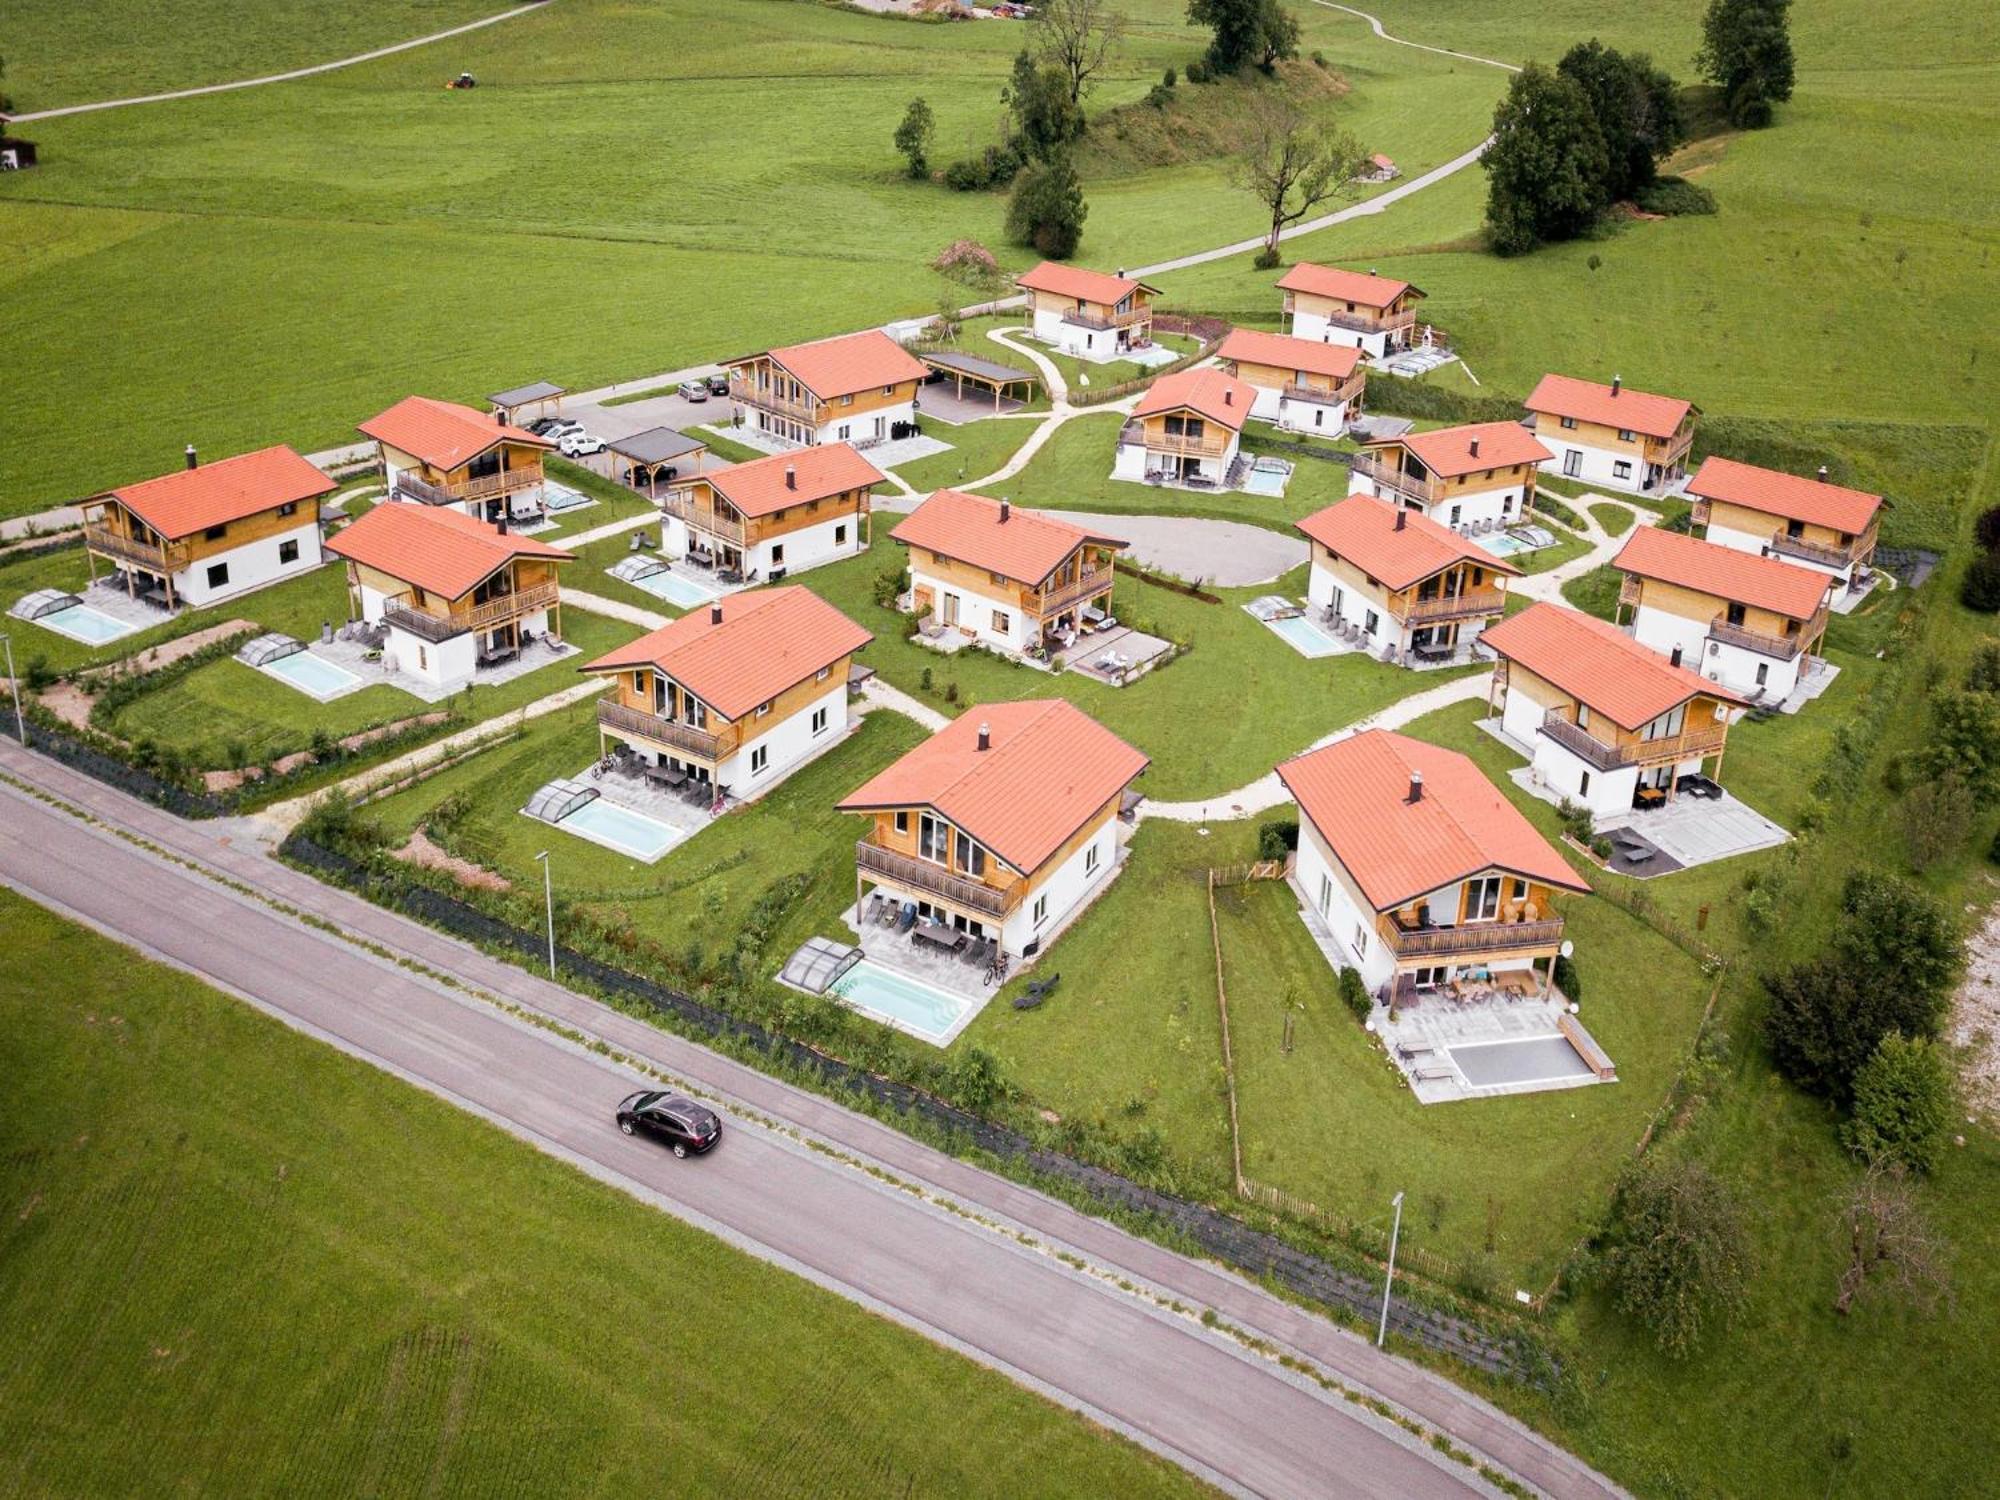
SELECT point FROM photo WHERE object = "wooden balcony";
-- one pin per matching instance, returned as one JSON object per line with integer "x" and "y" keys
{"x": 935, "y": 880}
{"x": 1065, "y": 596}
{"x": 1782, "y": 647}
{"x": 1697, "y": 511}
{"x": 1372, "y": 466}
{"x": 1465, "y": 605}
{"x": 1470, "y": 939}
{"x": 1813, "y": 552}
{"x": 746, "y": 393}
{"x": 1206, "y": 446}
{"x": 1630, "y": 590}
{"x": 1363, "y": 322}
{"x": 458, "y": 492}
{"x": 675, "y": 735}
{"x": 153, "y": 556}
{"x": 1671, "y": 451}
{"x": 488, "y": 614}
{"x": 680, "y": 505}
{"x": 1347, "y": 390}
{"x": 1125, "y": 319}
{"x": 1603, "y": 756}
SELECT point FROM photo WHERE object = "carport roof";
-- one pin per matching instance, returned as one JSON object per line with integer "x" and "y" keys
{"x": 540, "y": 390}
{"x": 972, "y": 364}
{"x": 656, "y": 445}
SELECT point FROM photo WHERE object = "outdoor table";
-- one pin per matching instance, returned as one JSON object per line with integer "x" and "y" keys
{"x": 1650, "y": 796}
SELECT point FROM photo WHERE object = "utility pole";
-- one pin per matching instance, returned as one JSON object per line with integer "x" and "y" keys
{"x": 549, "y": 903}
{"x": 20, "y": 719}
{"x": 1382, "y": 1330}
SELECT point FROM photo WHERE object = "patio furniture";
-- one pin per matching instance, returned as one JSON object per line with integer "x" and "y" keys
{"x": 1648, "y": 796}
{"x": 979, "y": 951}
{"x": 1436, "y": 1075}
{"x": 666, "y": 776}
{"x": 1694, "y": 784}
{"x": 908, "y": 917}
{"x": 1039, "y": 990}
{"x": 1411, "y": 1052}
{"x": 938, "y": 935}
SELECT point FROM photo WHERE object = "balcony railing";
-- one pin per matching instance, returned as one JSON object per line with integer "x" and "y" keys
{"x": 1361, "y": 322}
{"x": 680, "y": 504}
{"x": 1205, "y": 446}
{"x": 766, "y": 399}
{"x": 1460, "y": 606}
{"x": 659, "y": 729}
{"x": 1471, "y": 938}
{"x": 1666, "y": 452}
{"x": 1608, "y": 757}
{"x": 934, "y": 880}
{"x": 1371, "y": 466}
{"x": 1348, "y": 390}
{"x": 1814, "y": 552}
{"x": 1125, "y": 319}
{"x": 485, "y": 615}
{"x": 102, "y": 539}
{"x": 1783, "y": 647}
{"x": 1630, "y": 590}
{"x": 1697, "y": 511}
{"x": 1054, "y": 600}
{"x": 457, "y": 492}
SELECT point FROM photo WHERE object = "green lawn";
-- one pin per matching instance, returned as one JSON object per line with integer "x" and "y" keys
{"x": 614, "y": 501}
{"x": 1595, "y": 592}
{"x": 269, "y": 1268}
{"x": 1615, "y": 519}
{"x": 977, "y": 449}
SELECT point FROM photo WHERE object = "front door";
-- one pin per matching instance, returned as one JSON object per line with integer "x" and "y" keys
{"x": 1572, "y": 462}
{"x": 951, "y": 609}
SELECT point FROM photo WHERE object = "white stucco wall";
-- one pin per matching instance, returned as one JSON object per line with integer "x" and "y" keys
{"x": 1314, "y": 326}
{"x": 976, "y": 612}
{"x": 1596, "y": 466}
{"x": 789, "y": 741}
{"x": 1340, "y": 906}
{"x": 251, "y": 565}
{"x": 1725, "y": 662}
{"x": 808, "y": 547}
{"x": 446, "y": 664}
{"x": 1065, "y": 887}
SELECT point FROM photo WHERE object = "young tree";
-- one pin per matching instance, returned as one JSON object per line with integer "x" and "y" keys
{"x": 1965, "y": 738}
{"x": 1047, "y": 210}
{"x": 914, "y": 136}
{"x": 1638, "y": 109}
{"x": 1904, "y": 1099}
{"x": 1292, "y": 164}
{"x": 1898, "y": 936}
{"x": 1547, "y": 165}
{"x": 1244, "y": 32}
{"x": 1746, "y": 51}
{"x": 1678, "y": 1254}
{"x": 1892, "y": 1250}
{"x": 1983, "y": 676}
{"x": 1278, "y": 37}
{"x": 1077, "y": 38}
{"x": 1937, "y": 816}
{"x": 1046, "y": 119}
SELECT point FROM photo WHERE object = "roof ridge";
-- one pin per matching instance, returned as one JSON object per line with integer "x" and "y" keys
{"x": 1048, "y": 706}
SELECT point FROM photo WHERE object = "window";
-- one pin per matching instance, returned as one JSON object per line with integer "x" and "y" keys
{"x": 218, "y": 575}
{"x": 971, "y": 857}
{"x": 1325, "y": 893}
{"x": 1360, "y": 940}
{"x": 888, "y": 390}
{"x": 1569, "y": 424}
{"x": 1763, "y": 673}
{"x": 1622, "y": 469}
{"x": 1736, "y": 614}
{"x": 1482, "y": 899}
{"x": 215, "y": 533}
{"x": 845, "y": 401}
{"x": 1041, "y": 909}
{"x": 1373, "y": 622}
{"x": 819, "y": 721}
{"x": 823, "y": 674}
{"x": 777, "y": 554}
{"x": 934, "y": 839}
{"x": 1520, "y": 891}
{"x": 1319, "y": 416}
{"x": 1667, "y": 725}
{"x": 1625, "y": 435}
{"x": 1573, "y": 462}
{"x": 1456, "y": 510}
{"x": 423, "y": 660}
{"x": 288, "y": 552}
{"x": 1003, "y": 623}
{"x": 289, "y": 508}
{"x": 903, "y": 823}
{"x": 639, "y": 684}
{"x": 764, "y": 708}
{"x": 1583, "y": 785}
{"x": 760, "y": 758}
{"x": 840, "y": 536}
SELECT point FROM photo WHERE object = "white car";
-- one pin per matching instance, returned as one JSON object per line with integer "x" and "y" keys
{"x": 578, "y": 443}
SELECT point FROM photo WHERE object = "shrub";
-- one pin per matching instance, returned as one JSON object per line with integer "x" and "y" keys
{"x": 1567, "y": 979}
{"x": 1047, "y": 210}
{"x": 1576, "y": 820}
{"x": 38, "y": 674}
{"x": 1277, "y": 838}
{"x": 1268, "y": 258}
{"x": 1674, "y": 196}
{"x": 1198, "y": 71}
{"x": 1677, "y": 1253}
{"x": 924, "y": 679}
{"x": 1319, "y": 59}
{"x": 1965, "y": 738}
{"x": 951, "y": 691}
{"x": 1550, "y": 506}
{"x": 1594, "y": 261}
{"x": 1167, "y": 79}
{"x": 1903, "y": 1104}
{"x": 996, "y": 166}
{"x": 1937, "y": 815}
{"x": 1899, "y": 937}
{"x": 1354, "y": 994}
{"x": 1160, "y": 95}
{"x": 1987, "y": 528}
{"x": 1983, "y": 676}
{"x": 1600, "y": 845}
{"x": 1980, "y": 588}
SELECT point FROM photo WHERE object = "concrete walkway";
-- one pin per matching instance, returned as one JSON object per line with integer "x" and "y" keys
{"x": 1603, "y": 547}
{"x": 609, "y": 528}
{"x": 883, "y": 695}
{"x": 617, "y": 609}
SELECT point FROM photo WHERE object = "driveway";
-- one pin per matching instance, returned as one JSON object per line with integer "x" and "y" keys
{"x": 1229, "y": 554}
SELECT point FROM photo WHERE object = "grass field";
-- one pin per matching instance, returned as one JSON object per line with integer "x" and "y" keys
{"x": 241, "y": 1262}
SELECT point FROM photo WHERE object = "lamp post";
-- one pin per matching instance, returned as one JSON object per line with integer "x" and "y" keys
{"x": 549, "y": 904}
{"x": 1382, "y": 1329}
{"x": 20, "y": 719}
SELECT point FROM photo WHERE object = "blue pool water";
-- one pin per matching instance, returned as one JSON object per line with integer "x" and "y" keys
{"x": 314, "y": 676}
{"x": 82, "y": 623}
{"x": 1305, "y": 637}
{"x": 1505, "y": 544}
{"x": 622, "y": 829}
{"x": 903, "y": 1001}
{"x": 678, "y": 589}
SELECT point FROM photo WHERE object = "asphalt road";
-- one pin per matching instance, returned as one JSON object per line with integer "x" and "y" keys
{"x": 1187, "y": 1392}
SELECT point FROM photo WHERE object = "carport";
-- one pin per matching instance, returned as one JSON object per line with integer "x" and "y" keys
{"x": 653, "y": 451}
{"x": 982, "y": 374}
{"x": 542, "y": 397}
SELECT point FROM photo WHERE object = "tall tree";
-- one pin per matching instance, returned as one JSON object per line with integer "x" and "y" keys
{"x": 1292, "y": 164}
{"x": 1746, "y": 51}
{"x": 1677, "y": 1252}
{"x": 1047, "y": 210}
{"x": 1637, "y": 107}
{"x": 1547, "y": 165}
{"x": 1077, "y": 38}
{"x": 1892, "y": 1250}
{"x": 914, "y": 135}
{"x": 1046, "y": 119}
{"x": 1244, "y": 32}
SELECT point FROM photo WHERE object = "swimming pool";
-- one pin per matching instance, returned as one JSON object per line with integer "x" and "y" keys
{"x": 314, "y": 676}
{"x": 1267, "y": 476}
{"x": 619, "y": 828}
{"x": 82, "y": 623}
{"x": 904, "y": 1002}
{"x": 1506, "y": 544}
{"x": 677, "y": 589}
{"x": 1525, "y": 1063}
{"x": 1307, "y": 638}
{"x": 560, "y": 497}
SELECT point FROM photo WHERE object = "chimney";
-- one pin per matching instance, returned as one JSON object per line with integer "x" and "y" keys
{"x": 194, "y": 461}
{"x": 1402, "y": 518}
{"x": 715, "y": 612}
{"x": 1617, "y": 384}
{"x": 1822, "y": 470}
{"x": 504, "y": 522}
{"x": 1006, "y": 509}
{"x": 1475, "y": 447}
{"x": 1416, "y": 786}
{"x": 985, "y": 737}
{"x": 1121, "y": 273}
{"x": 499, "y": 417}
{"x": 1228, "y": 395}
{"x": 791, "y": 476}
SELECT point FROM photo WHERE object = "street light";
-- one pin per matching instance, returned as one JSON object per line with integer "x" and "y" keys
{"x": 1382, "y": 1330}
{"x": 549, "y": 902}
{"x": 20, "y": 719}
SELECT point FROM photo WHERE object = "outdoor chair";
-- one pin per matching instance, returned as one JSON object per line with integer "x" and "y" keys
{"x": 907, "y": 919}
{"x": 1435, "y": 1075}
{"x": 979, "y": 951}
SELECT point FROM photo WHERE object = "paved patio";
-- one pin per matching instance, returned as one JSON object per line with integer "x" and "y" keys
{"x": 898, "y": 950}
{"x": 108, "y": 596}
{"x": 365, "y": 661}
{"x": 1482, "y": 1049}
{"x": 1694, "y": 831}
{"x": 1116, "y": 656}
{"x": 625, "y": 787}
{"x": 1817, "y": 679}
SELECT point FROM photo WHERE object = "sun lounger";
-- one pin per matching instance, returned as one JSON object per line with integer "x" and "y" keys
{"x": 1436, "y": 1075}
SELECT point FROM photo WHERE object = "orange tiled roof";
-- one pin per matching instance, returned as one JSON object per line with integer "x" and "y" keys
{"x": 1027, "y": 546}
{"x": 443, "y": 433}
{"x": 1284, "y": 352}
{"x": 1356, "y": 793}
{"x": 1223, "y": 399}
{"x": 766, "y": 641}
{"x": 1364, "y": 530}
{"x": 1085, "y": 286}
{"x": 849, "y": 364}
{"x": 190, "y": 500}
{"x": 1363, "y": 289}
{"x": 440, "y": 550}
{"x": 1049, "y": 767}
{"x": 1813, "y": 501}
{"x": 1448, "y": 451}
{"x": 1725, "y": 573}
{"x": 759, "y": 488}
{"x": 1620, "y": 407}
{"x": 1598, "y": 664}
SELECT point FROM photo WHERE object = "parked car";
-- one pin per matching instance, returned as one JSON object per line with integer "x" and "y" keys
{"x": 552, "y": 427}
{"x": 718, "y": 384}
{"x": 578, "y": 443}
{"x": 689, "y": 1128}
{"x": 694, "y": 390}
{"x": 640, "y": 478}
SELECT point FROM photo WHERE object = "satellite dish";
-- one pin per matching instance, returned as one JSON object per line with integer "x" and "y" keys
{"x": 1568, "y": 949}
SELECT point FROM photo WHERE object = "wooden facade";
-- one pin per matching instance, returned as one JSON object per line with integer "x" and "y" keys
{"x": 1749, "y": 626}
{"x": 502, "y": 470}
{"x": 652, "y": 709}
{"x": 1797, "y": 541}
{"x": 1084, "y": 577}
{"x": 930, "y": 857}
{"x": 522, "y": 586}
{"x": 702, "y": 508}
{"x": 114, "y": 532}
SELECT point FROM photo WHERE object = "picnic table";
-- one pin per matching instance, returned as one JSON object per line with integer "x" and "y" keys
{"x": 1649, "y": 796}
{"x": 939, "y": 935}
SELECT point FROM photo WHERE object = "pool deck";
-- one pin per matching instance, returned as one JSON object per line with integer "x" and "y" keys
{"x": 1435, "y": 1024}
{"x": 354, "y": 657}
{"x": 354, "y": 684}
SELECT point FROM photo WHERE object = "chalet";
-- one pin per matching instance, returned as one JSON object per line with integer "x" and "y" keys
{"x": 1750, "y": 623}
{"x": 1475, "y": 478}
{"x": 1005, "y": 577}
{"x": 452, "y": 594}
{"x": 737, "y": 695}
{"x": 1609, "y": 724}
{"x": 1606, "y": 434}
{"x": 1374, "y": 314}
{"x": 1302, "y": 385}
{"x": 210, "y": 531}
{"x": 1087, "y": 313}
{"x": 1811, "y": 522}
{"x": 1414, "y": 590}
{"x": 439, "y": 453}
{"x": 1002, "y": 825}
{"x": 1420, "y": 869}
{"x": 1186, "y": 430}
{"x": 856, "y": 388}
{"x": 774, "y": 516}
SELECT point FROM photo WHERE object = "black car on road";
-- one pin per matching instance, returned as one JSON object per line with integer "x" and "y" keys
{"x": 689, "y": 1128}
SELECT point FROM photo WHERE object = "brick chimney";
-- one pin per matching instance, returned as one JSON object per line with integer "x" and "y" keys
{"x": 1402, "y": 517}
{"x": 715, "y": 612}
{"x": 1617, "y": 384}
{"x": 1475, "y": 447}
{"x": 1416, "y": 786}
{"x": 1006, "y": 509}
{"x": 1822, "y": 470}
{"x": 791, "y": 476}
{"x": 985, "y": 737}
{"x": 194, "y": 460}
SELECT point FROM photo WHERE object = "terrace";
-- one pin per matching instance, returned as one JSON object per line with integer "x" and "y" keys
{"x": 489, "y": 614}
{"x": 1802, "y": 550}
{"x": 1783, "y": 648}
{"x": 660, "y": 730}
{"x": 766, "y": 398}
{"x": 1364, "y": 322}
{"x": 1348, "y": 390}
{"x": 154, "y": 556}
{"x": 1469, "y": 939}
{"x": 1605, "y": 756}
{"x": 458, "y": 491}
{"x": 1124, "y": 319}
{"x": 1465, "y": 605}
{"x": 926, "y": 878}
{"x": 1373, "y": 466}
